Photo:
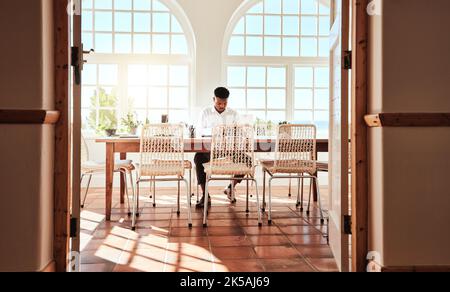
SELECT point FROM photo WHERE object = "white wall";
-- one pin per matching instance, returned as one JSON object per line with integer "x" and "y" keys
{"x": 409, "y": 185}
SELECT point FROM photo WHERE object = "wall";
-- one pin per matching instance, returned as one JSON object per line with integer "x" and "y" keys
{"x": 409, "y": 186}
{"x": 26, "y": 82}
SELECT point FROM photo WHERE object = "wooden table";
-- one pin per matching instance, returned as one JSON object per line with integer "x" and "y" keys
{"x": 201, "y": 145}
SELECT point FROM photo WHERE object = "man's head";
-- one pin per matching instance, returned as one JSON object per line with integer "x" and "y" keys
{"x": 221, "y": 96}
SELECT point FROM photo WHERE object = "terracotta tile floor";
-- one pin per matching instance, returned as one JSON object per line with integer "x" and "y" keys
{"x": 233, "y": 242}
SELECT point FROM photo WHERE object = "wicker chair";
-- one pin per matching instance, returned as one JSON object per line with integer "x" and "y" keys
{"x": 162, "y": 159}
{"x": 295, "y": 157}
{"x": 90, "y": 168}
{"x": 232, "y": 154}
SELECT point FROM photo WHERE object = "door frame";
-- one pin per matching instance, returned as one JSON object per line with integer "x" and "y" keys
{"x": 62, "y": 165}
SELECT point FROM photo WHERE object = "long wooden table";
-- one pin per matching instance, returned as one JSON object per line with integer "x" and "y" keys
{"x": 200, "y": 145}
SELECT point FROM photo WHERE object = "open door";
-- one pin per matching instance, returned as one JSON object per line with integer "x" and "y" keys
{"x": 338, "y": 159}
{"x": 75, "y": 135}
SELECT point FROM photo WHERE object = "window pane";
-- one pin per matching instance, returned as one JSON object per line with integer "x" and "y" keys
{"x": 276, "y": 116}
{"x": 157, "y": 97}
{"x": 141, "y": 115}
{"x": 160, "y": 44}
{"x": 237, "y": 98}
{"x": 179, "y": 45}
{"x": 138, "y": 96}
{"x": 142, "y": 4}
{"x": 178, "y": 116}
{"x": 90, "y": 74}
{"x": 303, "y": 117}
{"x": 309, "y": 25}
{"x": 137, "y": 75}
{"x": 291, "y": 47}
{"x": 258, "y": 8}
{"x": 179, "y": 75}
{"x": 103, "y": 21}
{"x": 236, "y": 76}
{"x": 239, "y": 29}
{"x": 176, "y": 27}
{"x": 322, "y": 99}
{"x": 324, "y": 8}
{"x": 291, "y": 6}
{"x": 256, "y": 77}
{"x": 161, "y": 22}
{"x": 178, "y": 97}
{"x": 122, "y": 21}
{"x": 276, "y": 77}
{"x": 272, "y": 6}
{"x": 304, "y": 99}
{"x": 254, "y": 46}
{"x": 308, "y": 47}
{"x": 123, "y": 43}
{"x": 122, "y": 4}
{"x": 103, "y": 4}
{"x": 309, "y": 6}
{"x": 158, "y": 75}
{"x": 158, "y": 6}
{"x": 88, "y": 94}
{"x": 154, "y": 116}
{"x": 142, "y": 44}
{"x": 236, "y": 46}
{"x": 291, "y": 25}
{"x": 87, "y": 4}
{"x": 87, "y": 20}
{"x": 254, "y": 24}
{"x": 303, "y": 77}
{"x": 103, "y": 43}
{"x": 256, "y": 98}
{"x": 142, "y": 22}
{"x": 87, "y": 40}
{"x": 272, "y": 25}
{"x": 107, "y": 74}
{"x": 324, "y": 25}
{"x": 321, "y": 77}
{"x": 276, "y": 99}
{"x": 324, "y": 47}
{"x": 258, "y": 115}
{"x": 272, "y": 46}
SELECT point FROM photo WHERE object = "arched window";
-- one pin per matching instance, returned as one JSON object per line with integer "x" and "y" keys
{"x": 276, "y": 60}
{"x": 142, "y": 61}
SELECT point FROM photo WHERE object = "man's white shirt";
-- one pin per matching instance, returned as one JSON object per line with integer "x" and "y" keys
{"x": 210, "y": 118}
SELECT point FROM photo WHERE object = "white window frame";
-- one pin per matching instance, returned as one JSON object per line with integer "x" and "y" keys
{"x": 289, "y": 62}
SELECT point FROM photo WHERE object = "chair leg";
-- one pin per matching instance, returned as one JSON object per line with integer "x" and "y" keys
{"x": 188, "y": 197}
{"x": 190, "y": 185}
{"x": 205, "y": 203}
{"x": 318, "y": 198}
{"x": 86, "y": 192}
{"x": 132, "y": 192}
{"x": 298, "y": 192}
{"x": 233, "y": 194}
{"x": 270, "y": 201}
{"x": 178, "y": 199}
{"x": 246, "y": 209}
{"x": 301, "y": 201}
{"x": 309, "y": 199}
{"x": 263, "y": 208}
{"x": 135, "y": 200}
{"x": 154, "y": 192}
{"x": 290, "y": 187}
{"x": 258, "y": 207}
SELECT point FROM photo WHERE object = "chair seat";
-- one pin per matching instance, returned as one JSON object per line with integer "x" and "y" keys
{"x": 164, "y": 168}
{"x": 229, "y": 169}
{"x": 288, "y": 167}
{"x": 187, "y": 164}
{"x": 95, "y": 166}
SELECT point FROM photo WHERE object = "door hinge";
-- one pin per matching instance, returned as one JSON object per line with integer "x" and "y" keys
{"x": 73, "y": 227}
{"x": 348, "y": 225}
{"x": 347, "y": 60}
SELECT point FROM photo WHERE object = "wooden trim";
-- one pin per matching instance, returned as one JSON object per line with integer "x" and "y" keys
{"x": 374, "y": 267}
{"x": 62, "y": 131}
{"x": 50, "y": 268}
{"x": 359, "y": 161}
{"x": 408, "y": 120}
{"x": 14, "y": 116}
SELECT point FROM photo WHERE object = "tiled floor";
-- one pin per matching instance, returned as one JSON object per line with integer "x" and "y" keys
{"x": 232, "y": 242}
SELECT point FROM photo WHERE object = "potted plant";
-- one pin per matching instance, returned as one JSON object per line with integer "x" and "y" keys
{"x": 130, "y": 123}
{"x": 103, "y": 120}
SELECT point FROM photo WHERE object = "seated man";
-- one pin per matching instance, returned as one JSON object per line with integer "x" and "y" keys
{"x": 212, "y": 117}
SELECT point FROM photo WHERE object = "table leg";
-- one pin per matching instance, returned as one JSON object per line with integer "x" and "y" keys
{"x": 109, "y": 173}
{"x": 315, "y": 185}
{"x": 123, "y": 156}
